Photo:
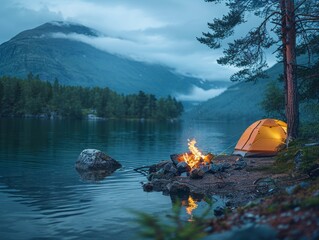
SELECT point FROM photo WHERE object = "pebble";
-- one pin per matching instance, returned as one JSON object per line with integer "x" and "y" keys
{"x": 316, "y": 193}
{"x": 219, "y": 211}
{"x": 286, "y": 214}
{"x": 296, "y": 219}
{"x": 296, "y": 209}
{"x": 283, "y": 226}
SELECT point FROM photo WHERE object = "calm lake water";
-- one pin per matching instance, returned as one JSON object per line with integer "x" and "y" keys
{"x": 43, "y": 197}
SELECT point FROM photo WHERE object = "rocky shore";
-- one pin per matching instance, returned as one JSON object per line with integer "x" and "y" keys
{"x": 259, "y": 201}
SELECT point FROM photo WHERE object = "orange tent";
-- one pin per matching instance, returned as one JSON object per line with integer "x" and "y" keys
{"x": 262, "y": 138}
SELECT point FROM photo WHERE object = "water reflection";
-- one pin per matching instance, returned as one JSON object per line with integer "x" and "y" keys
{"x": 190, "y": 202}
{"x": 93, "y": 176}
{"x": 42, "y": 195}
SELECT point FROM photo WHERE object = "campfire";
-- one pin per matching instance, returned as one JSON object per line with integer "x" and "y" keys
{"x": 194, "y": 158}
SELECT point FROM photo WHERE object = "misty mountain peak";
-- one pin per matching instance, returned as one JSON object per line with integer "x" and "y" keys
{"x": 57, "y": 27}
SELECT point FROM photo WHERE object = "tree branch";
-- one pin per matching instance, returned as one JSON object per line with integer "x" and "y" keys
{"x": 299, "y": 5}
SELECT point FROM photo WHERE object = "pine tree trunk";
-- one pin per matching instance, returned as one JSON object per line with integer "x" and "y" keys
{"x": 284, "y": 43}
{"x": 292, "y": 108}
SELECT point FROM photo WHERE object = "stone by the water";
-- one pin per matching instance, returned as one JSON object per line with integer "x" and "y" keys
{"x": 219, "y": 211}
{"x": 148, "y": 187}
{"x": 94, "y": 160}
{"x": 177, "y": 188}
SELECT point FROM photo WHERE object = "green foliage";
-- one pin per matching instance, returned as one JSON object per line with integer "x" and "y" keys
{"x": 248, "y": 51}
{"x": 35, "y": 97}
{"x": 310, "y": 157}
{"x": 274, "y": 101}
{"x": 285, "y": 159}
{"x": 172, "y": 227}
{"x": 310, "y": 131}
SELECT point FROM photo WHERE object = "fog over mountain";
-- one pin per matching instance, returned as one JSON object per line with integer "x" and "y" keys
{"x": 78, "y": 55}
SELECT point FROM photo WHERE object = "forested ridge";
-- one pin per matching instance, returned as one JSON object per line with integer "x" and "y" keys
{"x": 33, "y": 97}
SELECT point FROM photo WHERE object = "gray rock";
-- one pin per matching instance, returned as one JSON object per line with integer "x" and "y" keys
{"x": 291, "y": 189}
{"x": 148, "y": 187}
{"x": 173, "y": 170}
{"x": 298, "y": 159}
{"x": 225, "y": 166}
{"x": 94, "y": 160}
{"x": 240, "y": 164}
{"x": 160, "y": 184}
{"x": 205, "y": 168}
{"x": 197, "y": 173}
{"x": 183, "y": 167}
{"x": 214, "y": 168}
{"x": 219, "y": 211}
{"x": 167, "y": 167}
{"x": 177, "y": 188}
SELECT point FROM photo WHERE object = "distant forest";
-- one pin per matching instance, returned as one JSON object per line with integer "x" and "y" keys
{"x": 33, "y": 97}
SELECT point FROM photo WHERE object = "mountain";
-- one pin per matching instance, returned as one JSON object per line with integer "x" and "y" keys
{"x": 242, "y": 101}
{"x": 73, "y": 62}
{"x": 239, "y": 102}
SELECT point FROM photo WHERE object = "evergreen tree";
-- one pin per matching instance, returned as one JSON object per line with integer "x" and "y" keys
{"x": 33, "y": 96}
{"x": 284, "y": 24}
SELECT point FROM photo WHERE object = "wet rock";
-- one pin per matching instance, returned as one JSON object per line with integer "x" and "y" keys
{"x": 179, "y": 189}
{"x": 95, "y": 160}
{"x": 160, "y": 184}
{"x": 197, "y": 173}
{"x": 158, "y": 166}
{"x": 183, "y": 167}
{"x": 240, "y": 164}
{"x": 148, "y": 187}
{"x": 219, "y": 211}
{"x": 167, "y": 167}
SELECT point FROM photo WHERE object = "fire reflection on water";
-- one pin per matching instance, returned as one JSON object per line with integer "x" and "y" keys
{"x": 190, "y": 205}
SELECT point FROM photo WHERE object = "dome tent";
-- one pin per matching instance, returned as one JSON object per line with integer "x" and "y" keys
{"x": 262, "y": 138}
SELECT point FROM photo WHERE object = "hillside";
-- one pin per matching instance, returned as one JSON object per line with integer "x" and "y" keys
{"x": 76, "y": 63}
{"x": 239, "y": 102}
{"x": 242, "y": 101}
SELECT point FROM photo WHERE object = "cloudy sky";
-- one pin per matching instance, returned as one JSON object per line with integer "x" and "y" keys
{"x": 155, "y": 31}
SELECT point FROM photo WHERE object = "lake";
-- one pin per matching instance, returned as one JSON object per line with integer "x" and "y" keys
{"x": 43, "y": 196}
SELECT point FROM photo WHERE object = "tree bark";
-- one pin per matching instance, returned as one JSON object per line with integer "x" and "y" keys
{"x": 292, "y": 106}
{"x": 284, "y": 43}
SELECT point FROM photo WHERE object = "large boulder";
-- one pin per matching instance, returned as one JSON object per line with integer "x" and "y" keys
{"x": 95, "y": 160}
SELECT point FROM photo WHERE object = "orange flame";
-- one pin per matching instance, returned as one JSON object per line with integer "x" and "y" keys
{"x": 190, "y": 205}
{"x": 195, "y": 158}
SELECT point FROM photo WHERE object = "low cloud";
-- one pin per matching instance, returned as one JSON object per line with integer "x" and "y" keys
{"x": 199, "y": 94}
{"x": 158, "y": 49}
{"x": 154, "y": 32}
